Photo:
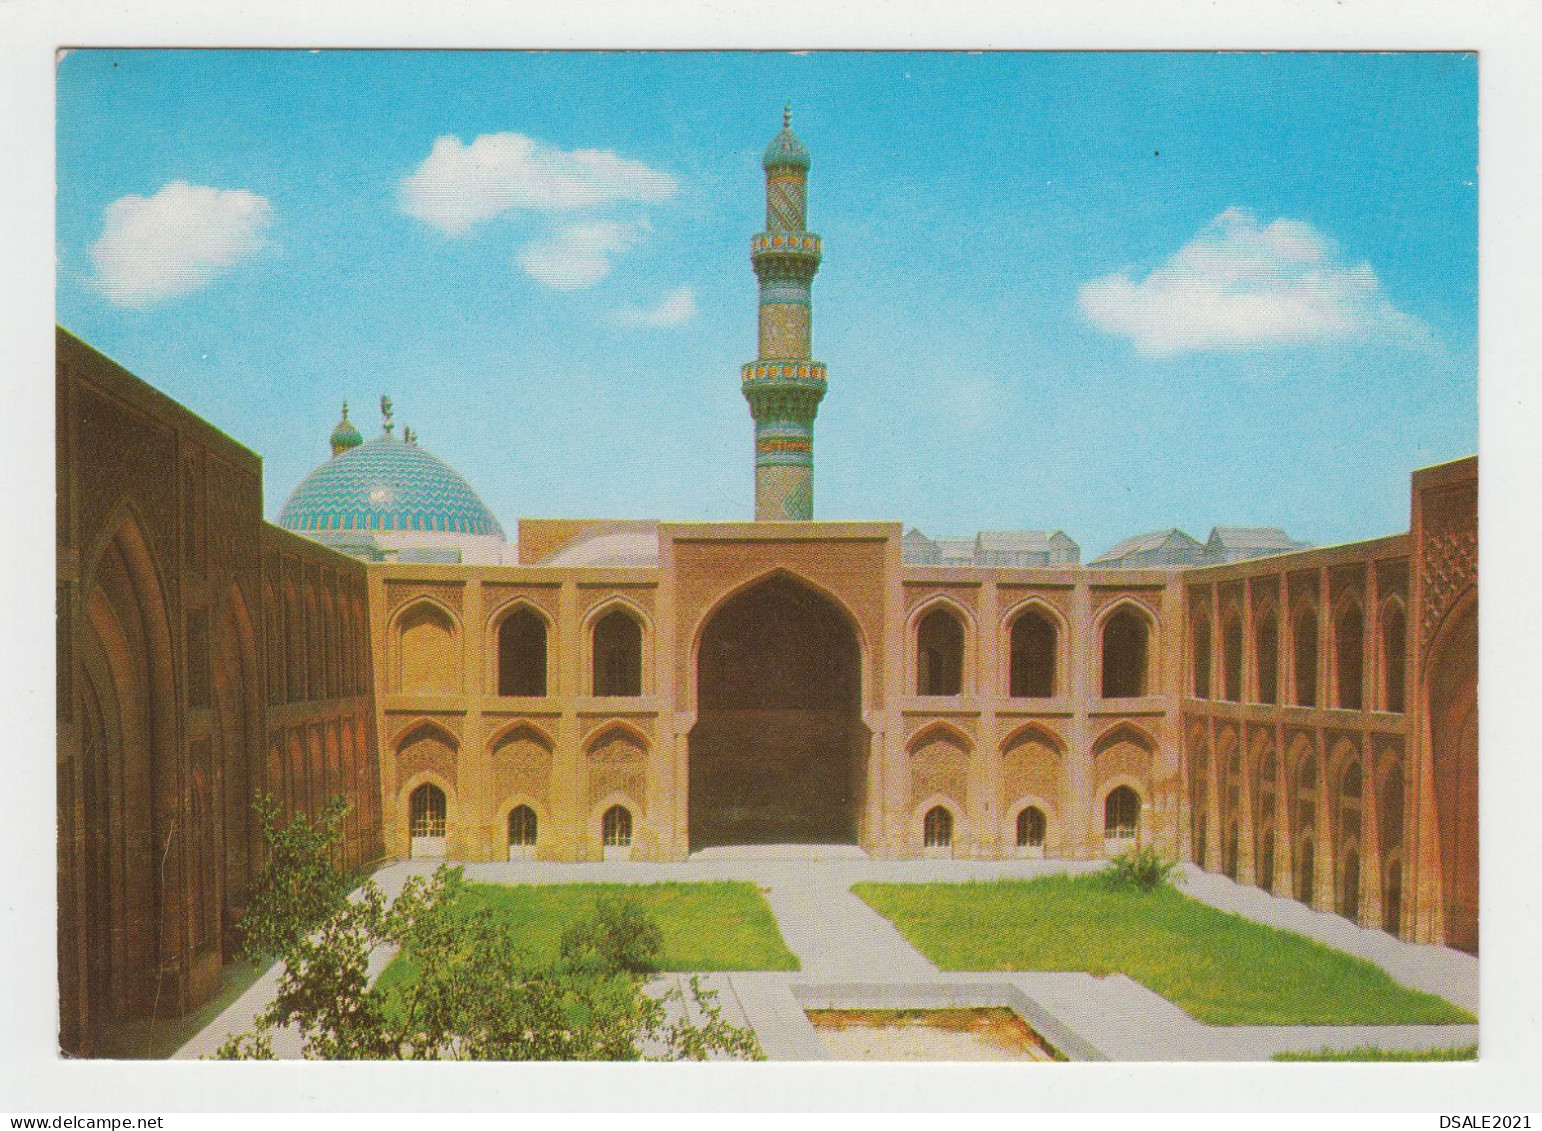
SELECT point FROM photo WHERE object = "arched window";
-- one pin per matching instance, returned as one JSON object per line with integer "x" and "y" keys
{"x": 1200, "y": 648}
{"x": 940, "y": 654}
{"x": 1231, "y": 656}
{"x": 1265, "y": 869}
{"x": 1392, "y": 899}
{"x": 1031, "y": 827}
{"x": 1394, "y": 656}
{"x": 1304, "y": 645}
{"x": 616, "y": 827}
{"x": 426, "y": 811}
{"x": 618, "y": 654}
{"x": 1349, "y": 645}
{"x": 1266, "y": 651}
{"x": 1033, "y": 656}
{"x": 938, "y": 827}
{"x": 522, "y": 654}
{"x": 1199, "y": 792}
{"x": 1349, "y": 894}
{"x": 1124, "y": 655}
{"x": 1121, "y": 813}
{"x": 1306, "y": 870}
{"x": 1229, "y": 845}
{"x": 1350, "y": 802}
{"x": 522, "y": 827}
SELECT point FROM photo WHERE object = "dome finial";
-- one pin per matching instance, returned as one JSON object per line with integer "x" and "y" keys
{"x": 386, "y": 422}
{"x": 345, "y": 437}
{"x": 787, "y": 116}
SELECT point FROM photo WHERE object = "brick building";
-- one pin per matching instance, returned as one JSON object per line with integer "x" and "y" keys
{"x": 1304, "y": 720}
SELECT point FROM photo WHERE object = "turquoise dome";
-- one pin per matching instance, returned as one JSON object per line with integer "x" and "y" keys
{"x": 387, "y": 483}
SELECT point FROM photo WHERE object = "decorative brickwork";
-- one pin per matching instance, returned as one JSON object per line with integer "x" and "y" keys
{"x": 1450, "y": 561}
{"x": 618, "y": 765}
{"x": 1031, "y": 767}
{"x": 939, "y": 767}
{"x": 522, "y": 767}
{"x": 451, "y": 596}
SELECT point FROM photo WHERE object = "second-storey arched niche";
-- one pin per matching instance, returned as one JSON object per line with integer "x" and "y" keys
{"x": 779, "y": 750}
{"x": 1126, "y": 644}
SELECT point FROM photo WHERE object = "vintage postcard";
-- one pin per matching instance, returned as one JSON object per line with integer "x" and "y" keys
{"x": 746, "y": 555}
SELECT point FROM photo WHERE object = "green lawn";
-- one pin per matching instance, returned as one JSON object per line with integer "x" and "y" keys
{"x": 1220, "y": 968}
{"x": 1463, "y": 1052}
{"x": 706, "y": 926}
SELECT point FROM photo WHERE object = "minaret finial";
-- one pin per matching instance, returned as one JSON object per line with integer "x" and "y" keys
{"x": 385, "y": 414}
{"x": 787, "y": 116}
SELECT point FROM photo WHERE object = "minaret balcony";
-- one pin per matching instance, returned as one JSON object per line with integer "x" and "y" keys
{"x": 797, "y": 245}
{"x": 783, "y": 372}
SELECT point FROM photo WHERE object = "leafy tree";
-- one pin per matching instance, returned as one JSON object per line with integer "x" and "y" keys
{"x": 298, "y": 888}
{"x": 477, "y": 994}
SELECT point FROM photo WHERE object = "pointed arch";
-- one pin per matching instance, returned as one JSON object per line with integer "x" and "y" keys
{"x": 779, "y": 750}
{"x": 1034, "y": 731}
{"x": 1038, "y": 649}
{"x": 754, "y": 582}
{"x": 1127, "y": 731}
{"x": 1127, "y": 641}
{"x": 1231, "y": 651}
{"x": 615, "y": 730}
{"x": 1123, "y": 816}
{"x": 420, "y": 728}
{"x": 1199, "y": 653}
{"x": 425, "y": 638}
{"x": 1450, "y": 735}
{"x": 940, "y": 729}
{"x": 618, "y": 635}
{"x": 1304, "y": 633}
{"x": 1348, "y": 655}
{"x": 238, "y": 728}
{"x": 1123, "y": 753}
{"x": 522, "y": 658}
{"x": 1266, "y": 652}
{"x": 940, "y": 825}
{"x": 516, "y": 729}
{"x": 295, "y": 664}
{"x": 119, "y": 801}
{"x": 1392, "y": 655}
{"x": 942, "y": 637}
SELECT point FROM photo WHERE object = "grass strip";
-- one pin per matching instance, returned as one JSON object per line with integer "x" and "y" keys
{"x": 1219, "y": 967}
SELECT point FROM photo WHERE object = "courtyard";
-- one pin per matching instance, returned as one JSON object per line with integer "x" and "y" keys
{"x": 1210, "y": 971}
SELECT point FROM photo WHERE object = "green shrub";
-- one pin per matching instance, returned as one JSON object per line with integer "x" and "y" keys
{"x": 1143, "y": 869}
{"x": 618, "y": 935}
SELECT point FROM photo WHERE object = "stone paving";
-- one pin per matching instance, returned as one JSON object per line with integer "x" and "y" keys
{"x": 852, "y": 957}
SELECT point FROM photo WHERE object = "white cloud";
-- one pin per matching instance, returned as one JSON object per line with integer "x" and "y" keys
{"x": 674, "y": 309}
{"x": 578, "y": 255}
{"x": 153, "y": 248}
{"x": 1241, "y": 284}
{"x": 458, "y": 185}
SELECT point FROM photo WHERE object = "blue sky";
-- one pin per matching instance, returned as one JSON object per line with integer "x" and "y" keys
{"x": 1101, "y": 292}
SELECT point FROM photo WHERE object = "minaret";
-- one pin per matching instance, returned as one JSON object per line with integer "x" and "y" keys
{"x": 784, "y": 386}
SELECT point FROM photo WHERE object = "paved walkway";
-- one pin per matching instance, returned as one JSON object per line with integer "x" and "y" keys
{"x": 852, "y": 957}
